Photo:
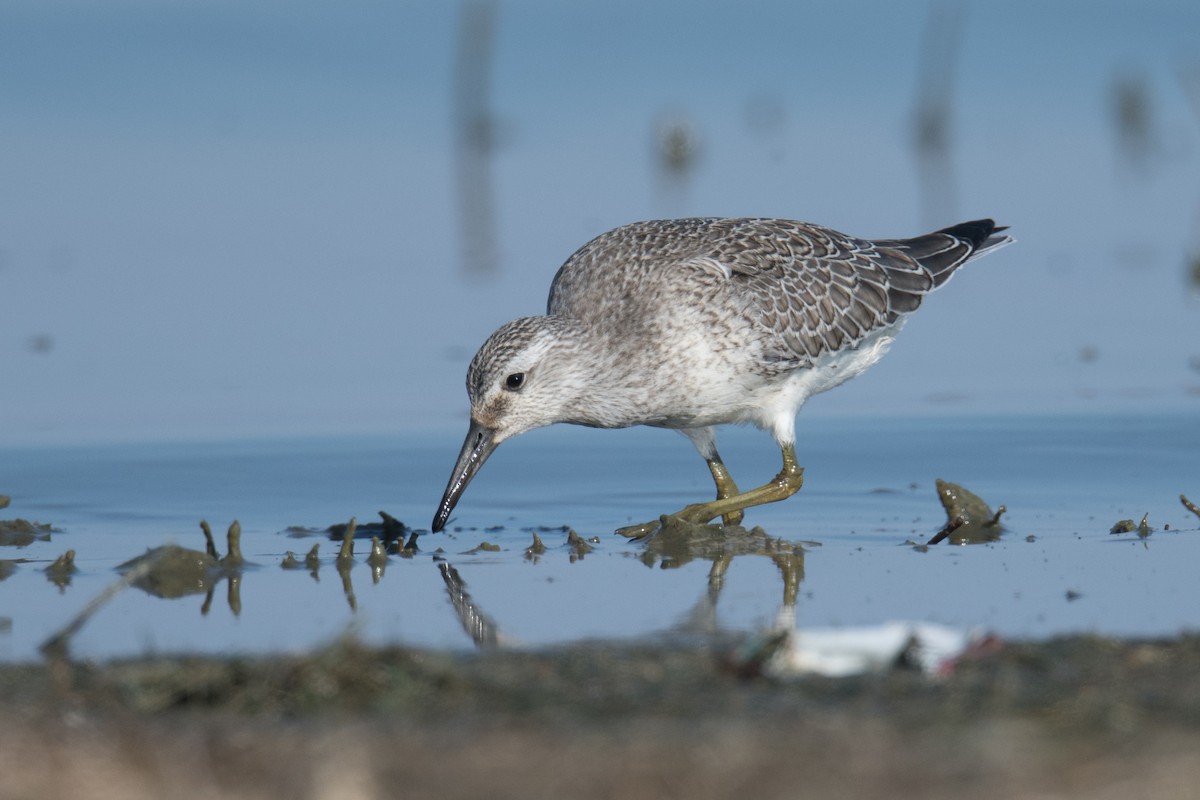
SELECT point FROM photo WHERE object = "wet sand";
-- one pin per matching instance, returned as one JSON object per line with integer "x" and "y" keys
{"x": 1070, "y": 717}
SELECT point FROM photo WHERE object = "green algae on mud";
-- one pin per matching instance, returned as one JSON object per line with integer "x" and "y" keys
{"x": 969, "y": 519}
{"x": 312, "y": 561}
{"x": 60, "y": 571}
{"x": 1142, "y": 529}
{"x": 536, "y": 548}
{"x": 22, "y": 532}
{"x": 171, "y": 571}
{"x": 389, "y": 530}
{"x": 168, "y": 572}
{"x": 1189, "y": 505}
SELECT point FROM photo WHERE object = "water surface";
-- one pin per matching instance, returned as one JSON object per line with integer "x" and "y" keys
{"x": 869, "y": 494}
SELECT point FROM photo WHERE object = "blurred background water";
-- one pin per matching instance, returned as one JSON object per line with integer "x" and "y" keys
{"x": 221, "y": 219}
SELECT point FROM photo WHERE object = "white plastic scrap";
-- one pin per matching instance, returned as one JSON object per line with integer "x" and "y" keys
{"x": 839, "y": 652}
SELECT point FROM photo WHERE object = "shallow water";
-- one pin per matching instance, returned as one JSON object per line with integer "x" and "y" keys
{"x": 869, "y": 489}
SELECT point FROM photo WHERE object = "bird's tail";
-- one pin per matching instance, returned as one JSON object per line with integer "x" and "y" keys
{"x": 942, "y": 252}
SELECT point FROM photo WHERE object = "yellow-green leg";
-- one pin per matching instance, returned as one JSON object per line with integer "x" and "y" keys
{"x": 726, "y": 488}
{"x": 784, "y": 485}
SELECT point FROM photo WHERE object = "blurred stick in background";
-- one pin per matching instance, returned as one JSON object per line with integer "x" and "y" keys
{"x": 676, "y": 150}
{"x": 932, "y": 121}
{"x": 475, "y": 137}
{"x": 1132, "y": 116}
{"x": 1189, "y": 81}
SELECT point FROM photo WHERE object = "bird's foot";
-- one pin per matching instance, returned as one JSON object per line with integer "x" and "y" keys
{"x": 695, "y": 514}
{"x": 640, "y": 531}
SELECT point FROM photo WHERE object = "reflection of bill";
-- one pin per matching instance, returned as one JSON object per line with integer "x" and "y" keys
{"x": 480, "y": 627}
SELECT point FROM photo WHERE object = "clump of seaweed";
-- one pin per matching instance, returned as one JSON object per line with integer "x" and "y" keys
{"x": 59, "y": 573}
{"x": 21, "y": 532}
{"x": 1142, "y": 529}
{"x": 172, "y": 571}
{"x": 312, "y": 562}
{"x": 969, "y": 520}
{"x": 1189, "y": 505}
{"x": 536, "y": 549}
{"x": 390, "y": 531}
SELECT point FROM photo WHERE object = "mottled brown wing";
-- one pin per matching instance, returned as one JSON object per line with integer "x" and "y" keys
{"x": 819, "y": 290}
{"x": 811, "y": 289}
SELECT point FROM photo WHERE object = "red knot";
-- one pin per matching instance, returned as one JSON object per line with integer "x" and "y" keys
{"x": 693, "y": 323}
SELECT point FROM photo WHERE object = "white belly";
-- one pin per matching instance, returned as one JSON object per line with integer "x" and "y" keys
{"x": 714, "y": 397}
{"x": 774, "y": 406}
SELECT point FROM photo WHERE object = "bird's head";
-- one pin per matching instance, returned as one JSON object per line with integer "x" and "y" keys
{"x": 523, "y": 377}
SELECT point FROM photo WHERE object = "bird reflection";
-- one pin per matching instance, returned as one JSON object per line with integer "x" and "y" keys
{"x": 674, "y": 544}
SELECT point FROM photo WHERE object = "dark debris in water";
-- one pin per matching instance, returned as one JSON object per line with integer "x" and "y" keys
{"x": 579, "y": 546}
{"x": 377, "y": 558}
{"x": 1189, "y": 505}
{"x": 378, "y": 555}
{"x": 1142, "y": 529}
{"x": 23, "y": 532}
{"x": 537, "y": 548}
{"x": 172, "y": 571}
{"x": 312, "y": 561}
{"x": 59, "y": 573}
{"x": 389, "y": 530}
{"x": 969, "y": 520}
{"x": 168, "y": 572}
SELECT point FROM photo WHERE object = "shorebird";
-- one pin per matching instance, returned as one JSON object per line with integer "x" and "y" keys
{"x": 693, "y": 323}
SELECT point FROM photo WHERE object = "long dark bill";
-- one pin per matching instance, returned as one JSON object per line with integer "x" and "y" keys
{"x": 475, "y": 450}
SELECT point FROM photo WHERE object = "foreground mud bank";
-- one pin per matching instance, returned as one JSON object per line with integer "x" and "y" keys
{"x": 1071, "y": 717}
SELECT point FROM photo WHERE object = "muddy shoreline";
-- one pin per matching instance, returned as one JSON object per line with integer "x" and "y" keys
{"x": 1068, "y": 717}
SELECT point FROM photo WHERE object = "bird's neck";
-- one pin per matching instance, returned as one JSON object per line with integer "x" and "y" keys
{"x": 603, "y": 387}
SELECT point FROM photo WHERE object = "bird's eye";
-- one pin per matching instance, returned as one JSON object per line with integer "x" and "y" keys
{"x": 515, "y": 381}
